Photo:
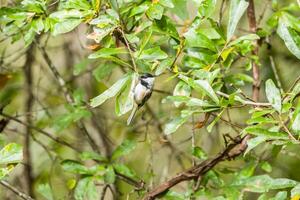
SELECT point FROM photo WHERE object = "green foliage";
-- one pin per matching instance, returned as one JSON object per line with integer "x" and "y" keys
{"x": 10, "y": 156}
{"x": 205, "y": 65}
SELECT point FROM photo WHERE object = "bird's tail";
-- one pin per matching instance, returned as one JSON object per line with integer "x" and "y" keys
{"x": 133, "y": 112}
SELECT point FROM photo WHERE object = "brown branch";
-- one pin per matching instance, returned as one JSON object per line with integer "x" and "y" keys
{"x": 233, "y": 150}
{"x": 104, "y": 192}
{"x": 15, "y": 190}
{"x": 255, "y": 68}
{"x": 139, "y": 185}
{"x": 29, "y": 178}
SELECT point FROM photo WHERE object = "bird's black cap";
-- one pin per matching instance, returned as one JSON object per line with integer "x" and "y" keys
{"x": 146, "y": 75}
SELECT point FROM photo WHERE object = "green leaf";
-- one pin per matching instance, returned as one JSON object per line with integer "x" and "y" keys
{"x": 172, "y": 195}
{"x": 12, "y": 153}
{"x": 109, "y": 176}
{"x": 201, "y": 86}
{"x": 66, "y": 14}
{"x": 75, "y": 167}
{"x": 153, "y": 54}
{"x": 213, "y": 123}
{"x": 288, "y": 38}
{"x": 197, "y": 39}
{"x": 80, "y": 67}
{"x": 206, "y": 8}
{"x": 145, "y": 40}
{"x": 139, "y": 9}
{"x": 125, "y": 100}
{"x": 126, "y": 147}
{"x": 181, "y": 89}
{"x": 105, "y": 52}
{"x": 249, "y": 37}
{"x": 296, "y": 191}
{"x": 155, "y": 11}
{"x": 110, "y": 92}
{"x": 90, "y": 155}
{"x": 163, "y": 66}
{"x": 280, "y": 196}
{"x": 45, "y": 191}
{"x": 263, "y": 197}
{"x": 102, "y": 71}
{"x": 74, "y": 114}
{"x": 264, "y": 132}
{"x": 189, "y": 101}
{"x": 99, "y": 33}
{"x": 180, "y": 9}
{"x": 166, "y": 3}
{"x": 263, "y": 183}
{"x": 237, "y": 9}
{"x": 253, "y": 142}
{"x": 77, "y": 4}
{"x": 296, "y": 124}
{"x": 34, "y": 6}
{"x": 273, "y": 95}
{"x": 65, "y": 26}
{"x": 174, "y": 124}
{"x": 123, "y": 169}
{"x": 266, "y": 166}
{"x": 6, "y": 170}
{"x": 86, "y": 190}
{"x": 198, "y": 152}
{"x": 166, "y": 27}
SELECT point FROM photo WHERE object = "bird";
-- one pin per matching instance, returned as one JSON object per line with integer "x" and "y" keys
{"x": 141, "y": 93}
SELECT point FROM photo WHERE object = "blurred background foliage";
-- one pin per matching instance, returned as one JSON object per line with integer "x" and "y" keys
{"x": 57, "y": 56}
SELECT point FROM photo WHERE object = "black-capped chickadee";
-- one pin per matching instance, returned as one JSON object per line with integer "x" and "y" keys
{"x": 142, "y": 92}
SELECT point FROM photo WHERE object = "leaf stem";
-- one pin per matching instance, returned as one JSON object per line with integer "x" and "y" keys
{"x": 129, "y": 49}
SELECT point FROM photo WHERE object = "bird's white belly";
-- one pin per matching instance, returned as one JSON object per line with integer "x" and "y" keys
{"x": 140, "y": 92}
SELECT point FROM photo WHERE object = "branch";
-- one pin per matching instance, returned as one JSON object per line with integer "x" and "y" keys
{"x": 255, "y": 69}
{"x": 58, "y": 140}
{"x": 246, "y": 102}
{"x": 68, "y": 95}
{"x": 129, "y": 50}
{"x": 139, "y": 185}
{"x": 28, "y": 108}
{"x": 15, "y": 190}
{"x": 233, "y": 150}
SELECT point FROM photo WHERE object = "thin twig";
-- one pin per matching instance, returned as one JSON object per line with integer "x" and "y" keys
{"x": 222, "y": 8}
{"x": 28, "y": 106}
{"x": 104, "y": 192}
{"x": 68, "y": 95}
{"x": 245, "y": 102}
{"x": 233, "y": 150}
{"x": 129, "y": 50}
{"x": 20, "y": 194}
{"x": 58, "y": 140}
{"x": 263, "y": 12}
{"x": 193, "y": 139}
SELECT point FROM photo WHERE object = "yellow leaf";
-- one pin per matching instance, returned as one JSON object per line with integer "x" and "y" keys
{"x": 98, "y": 3}
{"x": 296, "y": 197}
{"x": 175, "y": 69}
{"x": 226, "y": 52}
{"x": 71, "y": 183}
